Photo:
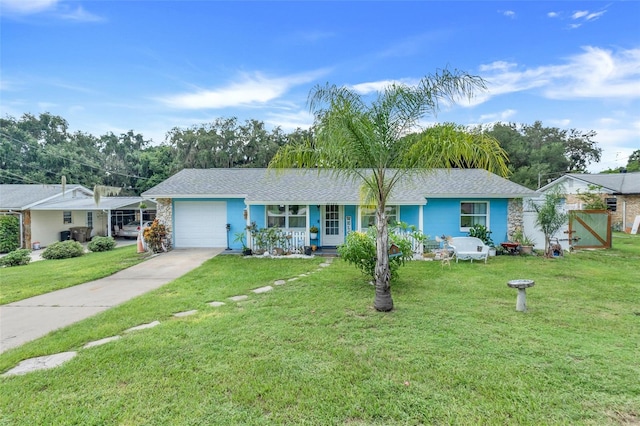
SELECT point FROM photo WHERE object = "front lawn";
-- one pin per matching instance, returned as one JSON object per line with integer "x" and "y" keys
{"x": 313, "y": 351}
{"x": 44, "y": 276}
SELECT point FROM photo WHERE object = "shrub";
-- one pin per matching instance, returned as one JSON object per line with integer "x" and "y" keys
{"x": 481, "y": 232}
{"x": 101, "y": 244}
{"x": 63, "y": 250}
{"x": 359, "y": 249}
{"x": 155, "y": 237}
{"x": 16, "y": 258}
{"x": 9, "y": 233}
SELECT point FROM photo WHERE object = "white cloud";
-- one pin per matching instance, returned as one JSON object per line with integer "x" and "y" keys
{"x": 596, "y": 15}
{"x": 499, "y": 116}
{"x": 553, "y": 15}
{"x": 55, "y": 9}
{"x": 250, "y": 90}
{"x": 594, "y": 73}
{"x": 580, "y": 14}
{"x": 588, "y": 16}
{"x": 79, "y": 15}
{"x": 509, "y": 13}
{"x": 498, "y": 66}
{"x": 377, "y": 86}
{"x": 290, "y": 121}
{"x": 26, "y": 7}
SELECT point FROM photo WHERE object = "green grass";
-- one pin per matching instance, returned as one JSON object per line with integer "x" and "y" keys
{"x": 21, "y": 282}
{"x": 454, "y": 351}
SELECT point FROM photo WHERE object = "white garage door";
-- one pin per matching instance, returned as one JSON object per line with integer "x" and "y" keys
{"x": 200, "y": 224}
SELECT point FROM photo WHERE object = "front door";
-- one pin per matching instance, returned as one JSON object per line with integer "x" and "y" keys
{"x": 333, "y": 229}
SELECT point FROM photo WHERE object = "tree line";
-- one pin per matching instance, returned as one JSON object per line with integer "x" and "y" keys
{"x": 42, "y": 149}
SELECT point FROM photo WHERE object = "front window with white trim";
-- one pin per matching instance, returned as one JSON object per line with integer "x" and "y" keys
{"x": 473, "y": 213}
{"x": 368, "y": 216}
{"x": 287, "y": 216}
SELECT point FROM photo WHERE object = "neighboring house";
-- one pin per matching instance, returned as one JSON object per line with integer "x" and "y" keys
{"x": 620, "y": 191}
{"x": 207, "y": 207}
{"x": 47, "y": 215}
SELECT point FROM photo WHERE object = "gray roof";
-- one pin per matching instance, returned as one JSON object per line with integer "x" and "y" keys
{"x": 106, "y": 203}
{"x": 617, "y": 183}
{"x": 260, "y": 186}
{"x": 22, "y": 197}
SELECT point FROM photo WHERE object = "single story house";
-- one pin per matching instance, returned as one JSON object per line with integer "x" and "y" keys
{"x": 47, "y": 214}
{"x": 620, "y": 192}
{"x": 208, "y": 207}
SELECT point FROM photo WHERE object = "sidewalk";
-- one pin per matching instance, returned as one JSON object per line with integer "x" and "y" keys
{"x": 29, "y": 319}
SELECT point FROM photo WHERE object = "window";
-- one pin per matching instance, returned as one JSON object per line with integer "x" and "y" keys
{"x": 612, "y": 204}
{"x": 473, "y": 213}
{"x": 66, "y": 217}
{"x": 368, "y": 216}
{"x": 287, "y": 216}
{"x": 90, "y": 219}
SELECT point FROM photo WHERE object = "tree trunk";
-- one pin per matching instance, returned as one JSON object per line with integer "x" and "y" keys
{"x": 383, "y": 301}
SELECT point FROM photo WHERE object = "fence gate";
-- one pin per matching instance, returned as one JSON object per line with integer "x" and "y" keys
{"x": 590, "y": 228}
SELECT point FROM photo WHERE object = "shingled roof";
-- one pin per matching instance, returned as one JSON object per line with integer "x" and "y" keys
{"x": 23, "y": 196}
{"x": 617, "y": 183}
{"x": 262, "y": 186}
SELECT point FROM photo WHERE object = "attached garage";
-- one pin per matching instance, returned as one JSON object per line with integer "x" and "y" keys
{"x": 200, "y": 224}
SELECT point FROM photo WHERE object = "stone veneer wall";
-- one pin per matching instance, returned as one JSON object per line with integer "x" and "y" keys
{"x": 164, "y": 214}
{"x": 26, "y": 228}
{"x": 515, "y": 219}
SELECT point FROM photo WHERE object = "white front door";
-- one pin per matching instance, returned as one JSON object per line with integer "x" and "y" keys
{"x": 332, "y": 229}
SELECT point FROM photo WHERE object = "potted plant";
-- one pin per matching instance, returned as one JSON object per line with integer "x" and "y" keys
{"x": 313, "y": 232}
{"x": 526, "y": 245}
{"x": 240, "y": 238}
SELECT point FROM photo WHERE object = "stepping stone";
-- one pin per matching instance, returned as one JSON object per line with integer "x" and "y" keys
{"x": 143, "y": 326}
{"x": 239, "y": 298}
{"x": 40, "y": 363}
{"x": 303, "y": 275}
{"x": 101, "y": 342}
{"x": 324, "y": 265}
{"x": 279, "y": 282}
{"x": 216, "y": 304}
{"x": 293, "y": 279}
{"x": 185, "y": 313}
{"x": 262, "y": 289}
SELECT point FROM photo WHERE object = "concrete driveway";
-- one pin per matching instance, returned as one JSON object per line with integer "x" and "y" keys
{"x": 29, "y": 319}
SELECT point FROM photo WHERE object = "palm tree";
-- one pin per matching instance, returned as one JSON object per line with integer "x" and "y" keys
{"x": 368, "y": 142}
{"x": 549, "y": 217}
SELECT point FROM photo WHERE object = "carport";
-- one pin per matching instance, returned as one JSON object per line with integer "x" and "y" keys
{"x": 51, "y": 221}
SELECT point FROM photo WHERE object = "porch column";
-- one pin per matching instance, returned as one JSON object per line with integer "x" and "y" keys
{"x": 307, "y": 238}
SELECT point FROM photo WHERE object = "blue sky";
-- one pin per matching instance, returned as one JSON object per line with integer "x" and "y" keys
{"x": 154, "y": 65}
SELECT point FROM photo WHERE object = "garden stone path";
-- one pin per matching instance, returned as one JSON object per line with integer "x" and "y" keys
{"x": 52, "y": 361}
{"x": 40, "y": 363}
{"x": 185, "y": 313}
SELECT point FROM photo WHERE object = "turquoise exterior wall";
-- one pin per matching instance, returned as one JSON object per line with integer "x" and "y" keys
{"x": 442, "y": 217}
{"x": 235, "y": 217}
{"x": 410, "y": 215}
{"x": 353, "y": 212}
{"x": 258, "y": 215}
